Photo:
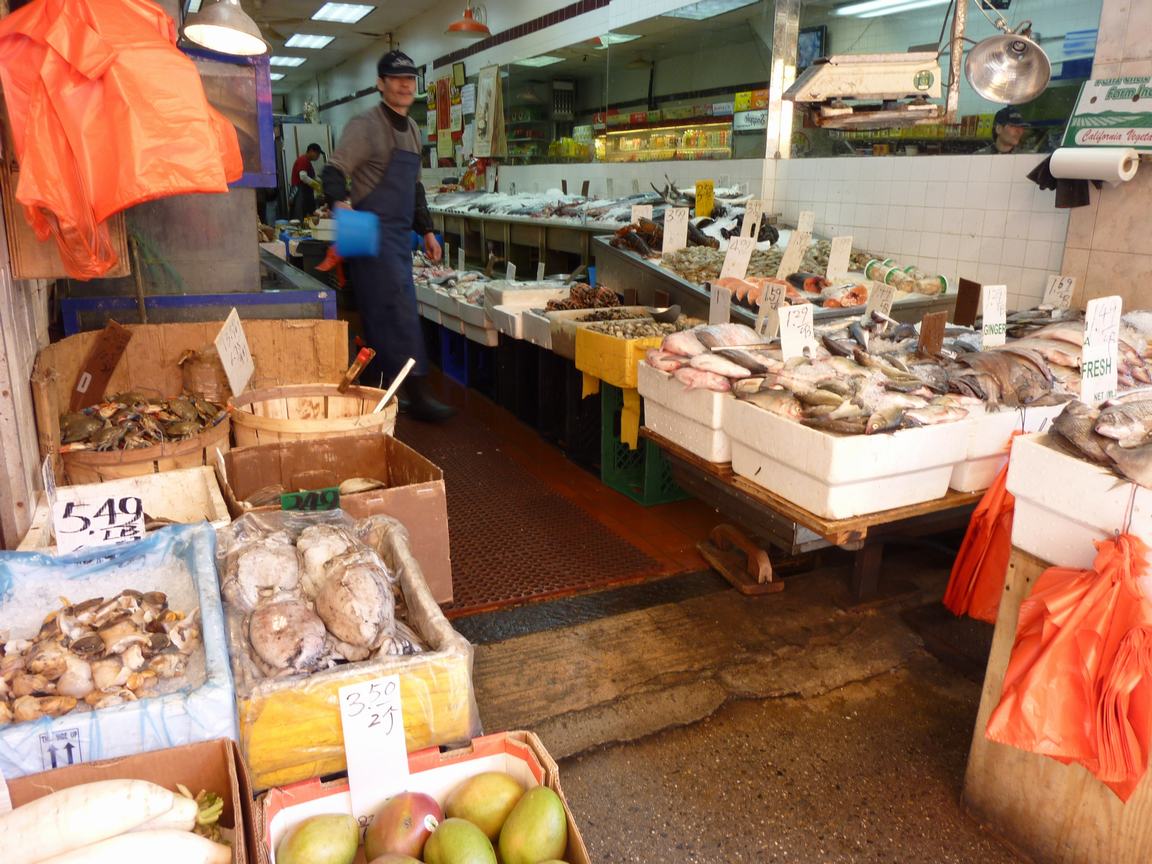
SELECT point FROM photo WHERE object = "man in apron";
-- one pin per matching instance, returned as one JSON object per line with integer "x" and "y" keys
{"x": 379, "y": 154}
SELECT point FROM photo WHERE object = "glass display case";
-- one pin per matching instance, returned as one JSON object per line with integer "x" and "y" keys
{"x": 687, "y": 140}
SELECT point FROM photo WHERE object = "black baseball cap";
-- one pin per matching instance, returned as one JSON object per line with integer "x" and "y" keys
{"x": 317, "y": 148}
{"x": 1009, "y": 115}
{"x": 396, "y": 63}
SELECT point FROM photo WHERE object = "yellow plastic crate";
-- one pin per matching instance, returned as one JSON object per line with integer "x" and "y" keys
{"x": 614, "y": 361}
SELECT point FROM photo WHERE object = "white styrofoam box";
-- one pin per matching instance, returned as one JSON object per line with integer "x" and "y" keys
{"x": 431, "y": 313}
{"x": 537, "y": 328}
{"x": 451, "y": 323}
{"x": 705, "y": 407}
{"x": 474, "y": 314}
{"x": 509, "y": 319}
{"x": 500, "y": 292}
{"x": 183, "y": 495}
{"x": 447, "y": 304}
{"x": 838, "y": 476}
{"x": 178, "y": 560}
{"x": 988, "y": 443}
{"x": 1063, "y": 503}
{"x": 483, "y": 335}
{"x": 712, "y": 445}
{"x": 425, "y": 294}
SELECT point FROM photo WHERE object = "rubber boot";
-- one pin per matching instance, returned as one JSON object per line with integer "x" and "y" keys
{"x": 422, "y": 405}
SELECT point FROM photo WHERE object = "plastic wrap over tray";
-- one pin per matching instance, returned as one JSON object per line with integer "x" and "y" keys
{"x": 177, "y": 560}
{"x": 290, "y": 726}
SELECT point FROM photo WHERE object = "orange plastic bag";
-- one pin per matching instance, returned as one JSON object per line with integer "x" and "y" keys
{"x": 1078, "y": 686}
{"x": 977, "y": 580}
{"x": 105, "y": 113}
{"x": 332, "y": 261}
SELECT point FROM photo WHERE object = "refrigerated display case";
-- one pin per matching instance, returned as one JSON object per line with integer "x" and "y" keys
{"x": 687, "y": 140}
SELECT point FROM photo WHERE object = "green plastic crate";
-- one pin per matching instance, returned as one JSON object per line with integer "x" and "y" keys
{"x": 643, "y": 474}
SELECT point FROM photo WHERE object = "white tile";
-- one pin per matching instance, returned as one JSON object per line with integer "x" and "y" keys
{"x": 896, "y": 216}
{"x": 932, "y": 219}
{"x": 892, "y": 238}
{"x": 940, "y": 169}
{"x": 1000, "y": 167}
{"x": 954, "y": 195}
{"x": 929, "y": 244}
{"x": 979, "y": 168}
{"x": 848, "y": 214}
{"x": 973, "y": 222}
{"x": 886, "y": 168}
{"x": 994, "y": 222}
{"x": 910, "y": 243}
{"x": 991, "y": 250}
{"x": 987, "y": 273}
{"x": 969, "y": 248}
{"x": 1043, "y": 200}
{"x": 1038, "y": 228}
{"x": 915, "y": 193}
{"x": 1059, "y": 227}
{"x": 832, "y": 213}
{"x": 953, "y": 222}
{"x": 999, "y": 196}
{"x": 1032, "y": 282}
{"x": 1010, "y": 276}
{"x": 1017, "y": 225}
{"x": 1056, "y": 257}
{"x": 1021, "y": 197}
{"x": 1036, "y": 253}
{"x": 968, "y": 270}
{"x": 947, "y": 268}
{"x": 934, "y": 196}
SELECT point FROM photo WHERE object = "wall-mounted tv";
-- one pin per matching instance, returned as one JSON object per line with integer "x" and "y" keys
{"x": 811, "y": 46}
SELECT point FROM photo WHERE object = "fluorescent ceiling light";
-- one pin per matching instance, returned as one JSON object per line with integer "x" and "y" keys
{"x": 883, "y": 7}
{"x": 275, "y": 76}
{"x": 342, "y": 13}
{"x": 542, "y": 60}
{"x": 285, "y": 61}
{"x": 902, "y": 7}
{"x": 308, "y": 40}
{"x": 614, "y": 39}
{"x": 707, "y": 9}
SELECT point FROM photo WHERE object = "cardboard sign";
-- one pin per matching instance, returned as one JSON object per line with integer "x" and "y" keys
{"x": 768, "y": 319}
{"x": 675, "y": 229}
{"x": 48, "y": 478}
{"x": 540, "y": 272}
{"x": 1101, "y": 342}
{"x": 103, "y": 522}
{"x": 98, "y": 366}
{"x": 806, "y": 221}
{"x": 737, "y": 257}
{"x": 932, "y": 333}
{"x": 511, "y": 272}
{"x": 1058, "y": 294}
{"x": 641, "y": 211}
{"x": 1111, "y": 112}
{"x": 311, "y": 500}
{"x": 372, "y": 717}
{"x": 967, "y": 303}
{"x": 705, "y": 198}
{"x": 838, "y": 257}
{"x": 994, "y": 303}
{"x": 797, "y": 331}
{"x": 753, "y": 213}
{"x": 719, "y": 305}
{"x": 460, "y": 259}
{"x": 793, "y": 254}
{"x": 880, "y": 299}
{"x": 232, "y": 346}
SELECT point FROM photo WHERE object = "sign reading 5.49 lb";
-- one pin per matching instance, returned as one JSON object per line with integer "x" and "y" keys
{"x": 107, "y": 522}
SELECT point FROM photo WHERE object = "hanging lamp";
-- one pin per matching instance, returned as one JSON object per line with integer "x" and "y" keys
{"x": 1010, "y": 67}
{"x": 223, "y": 26}
{"x": 469, "y": 26}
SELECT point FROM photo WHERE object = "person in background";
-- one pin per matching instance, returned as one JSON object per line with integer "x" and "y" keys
{"x": 1008, "y": 129}
{"x": 379, "y": 153}
{"x": 304, "y": 182}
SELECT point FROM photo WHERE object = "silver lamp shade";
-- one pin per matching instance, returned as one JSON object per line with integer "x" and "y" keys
{"x": 1010, "y": 68}
{"x": 223, "y": 26}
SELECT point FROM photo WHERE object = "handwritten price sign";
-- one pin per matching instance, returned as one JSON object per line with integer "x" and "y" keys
{"x": 108, "y": 522}
{"x": 311, "y": 500}
{"x": 768, "y": 319}
{"x": 797, "y": 331}
{"x": 372, "y": 717}
{"x": 750, "y": 227}
{"x": 1100, "y": 355}
{"x": 232, "y": 346}
{"x": 675, "y": 229}
{"x": 994, "y": 300}
{"x": 641, "y": 211}
{"x": 1058, "y": 294}
{"x": 880, "y": 300}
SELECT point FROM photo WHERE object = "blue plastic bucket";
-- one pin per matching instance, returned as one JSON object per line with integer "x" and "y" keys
{"x": 357, "y": 233}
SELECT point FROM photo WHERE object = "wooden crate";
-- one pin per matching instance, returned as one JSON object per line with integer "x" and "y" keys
{"x": 305, "y": 411}
{"x": 285, "y": 352}
{"x": 1055, "y": 813}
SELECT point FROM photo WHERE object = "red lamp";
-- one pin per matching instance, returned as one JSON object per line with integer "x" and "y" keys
{"x": 468, "y": 26}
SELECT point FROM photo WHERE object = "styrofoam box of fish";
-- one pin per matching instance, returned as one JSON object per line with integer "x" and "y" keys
{"x": 537, "y": 328}
{"x": 487, "y": 336}
{"x": 1063, "y": 503}
{"x": 501, "y": 292}
{"x": 451, "y": 323}
{"x": 200, "y": 705}
{"x": 838, "y": 476}
{"x": 509, "y": 319}
{"x": 693, "y": 419}
{"x": 425, "y": 293}
{"x": 447, "y": 304}
{"x": 430, "y": 312}
{"x": 474, "y": 314}
{"x": 988, "y": 443}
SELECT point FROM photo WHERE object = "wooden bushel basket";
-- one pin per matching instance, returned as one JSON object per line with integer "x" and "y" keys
{"x": 303, "y": 411}
{"x": 92, "y": 466}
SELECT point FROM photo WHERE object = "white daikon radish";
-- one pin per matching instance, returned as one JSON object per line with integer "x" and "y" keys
{"x": 169, "y": 847}
{"x": 79, "y": 816}
{"x": 182, "y": 817}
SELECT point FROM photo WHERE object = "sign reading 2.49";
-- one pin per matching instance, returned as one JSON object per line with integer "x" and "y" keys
{"x": 106, "y": 522}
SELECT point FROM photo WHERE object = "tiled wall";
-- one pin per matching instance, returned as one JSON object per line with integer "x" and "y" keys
{"x": 972, "y": 216}
{"x": 1109, "y": 248}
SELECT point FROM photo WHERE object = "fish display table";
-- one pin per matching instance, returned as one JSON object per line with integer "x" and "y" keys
{"x": 778, "y": 519}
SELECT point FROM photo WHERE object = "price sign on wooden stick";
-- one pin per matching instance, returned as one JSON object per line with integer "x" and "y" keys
{"x": 768, "y": 319}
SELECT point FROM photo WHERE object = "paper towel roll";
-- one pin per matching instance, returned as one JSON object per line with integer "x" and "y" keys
{"x": 1115, "y": 165}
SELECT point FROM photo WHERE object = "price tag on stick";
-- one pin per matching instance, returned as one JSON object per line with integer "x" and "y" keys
{"x": 720, "y": 305}
{"x": 994, "y": 306}
{"x": 641, "y": 211}
{"x": 797, "y": 331}
{"x": 750, "y": 227}
{"x": 675, "y": 229}
{"x": 540, "y": 272}
{"x": 103, "y": 522}
{"x": 446, "y": 252}
{"x": 768, "y": 319}
{"x": 793, "y": 254}
{"x": 879, "y": 299}
{"x": 511, "y": 272}
{"x": 232, "y": 346}
{"x": 372, "y": 717}
{"x": 460, "y": 259}
{"x": 806, "y": 222}
{"x": 1058, "y": 294}
{"x": 737, "y": 257}
{"x": 838, "y": 258}
{"x": 1101, "y": 343}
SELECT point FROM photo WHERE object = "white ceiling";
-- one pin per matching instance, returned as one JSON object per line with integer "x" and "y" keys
{"x": 279, "y": 19}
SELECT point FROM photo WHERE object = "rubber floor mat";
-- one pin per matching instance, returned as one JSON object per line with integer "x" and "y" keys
{"x": 515, "y": 540}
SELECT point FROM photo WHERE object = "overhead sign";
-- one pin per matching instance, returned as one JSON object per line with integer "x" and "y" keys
{"x": 1112, "y": 112}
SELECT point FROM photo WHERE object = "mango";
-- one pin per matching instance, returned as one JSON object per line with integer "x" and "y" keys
{"x": 485, "y": 800}
{"x": 403, "y": 825}
{"x": 328, "y": 839}
{"x": 393, "y": 858}
{"x": 536, "y": 830}
{"x": 457, "y": 841}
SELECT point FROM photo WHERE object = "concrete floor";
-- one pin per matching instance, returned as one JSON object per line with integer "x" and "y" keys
{"x": 719, "y": 728}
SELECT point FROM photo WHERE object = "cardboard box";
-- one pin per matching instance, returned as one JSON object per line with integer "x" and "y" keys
{"x": 520, "y": 754}
{"x": 415, "y": 493}
{"x": 213, "y": 765}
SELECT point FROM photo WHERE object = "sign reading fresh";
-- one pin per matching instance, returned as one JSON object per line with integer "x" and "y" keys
{"x": 1112, "y": 112}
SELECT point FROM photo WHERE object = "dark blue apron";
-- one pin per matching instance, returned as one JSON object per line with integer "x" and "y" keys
{"x": 383, "y": 285}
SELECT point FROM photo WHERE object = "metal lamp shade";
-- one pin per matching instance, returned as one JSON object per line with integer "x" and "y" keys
{"x": 468, "y": 27}
{"x": 1010, "y": 69}
{"x": 224, "y": 27}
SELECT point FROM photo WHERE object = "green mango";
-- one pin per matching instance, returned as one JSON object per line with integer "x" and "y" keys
{"x": 536, "y": 830}
{"x": 328, "y": 839}
{"x": 485, "y": 800}
{"x": 457, "y": 841}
